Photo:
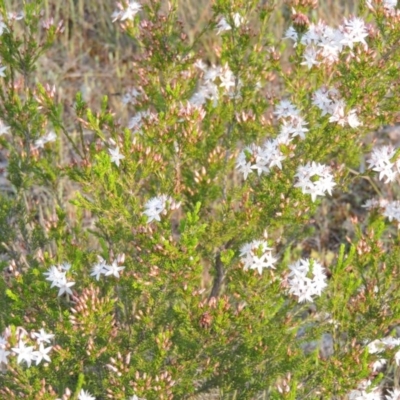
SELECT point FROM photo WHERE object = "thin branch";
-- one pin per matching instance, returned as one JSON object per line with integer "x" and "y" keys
{"x": 219, "y": 277}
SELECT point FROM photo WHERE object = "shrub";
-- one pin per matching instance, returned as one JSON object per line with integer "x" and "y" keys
{"x": 165, "y": 256}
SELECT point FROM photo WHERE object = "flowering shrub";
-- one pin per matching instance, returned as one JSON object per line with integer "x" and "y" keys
{"x": 164, "y": 256}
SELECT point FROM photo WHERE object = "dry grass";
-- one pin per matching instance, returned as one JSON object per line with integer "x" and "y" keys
{"x": 93, "y": 56}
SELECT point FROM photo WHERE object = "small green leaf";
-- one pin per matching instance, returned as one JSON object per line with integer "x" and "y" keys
{"x": 11, "y": 295}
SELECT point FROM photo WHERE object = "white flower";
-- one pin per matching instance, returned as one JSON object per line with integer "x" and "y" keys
{"x": 301, "y": 284}
{"x": 285, "y": 109}
{"x": 42, "y": 354}
{"x": 50, "y": 137}
{"x": 42, "y": 336}
{"x": 3, "y": 355}
{"x": 64, "y": 287}
{"x": 113, "y": 269}
{"x": 376, "y": 204}
{"x": 376, "y": 346}
{"x": 130, "y": 96}
{"x": 338, "y": 113}
{"x": 381, "y": 161}
{"x": 210, "y": 92}
{"x": 227, "y": 78}
{"x": 200, "y": 64}
{"x": 136, "y": 122}
{"x": 390, "y": 4}
{"x": 224, "y": 26}
{"x": 329, "y": 102}
{"x": 3, "y": 342}
{"x": 99, "y": 268}
{"x": 272, "y": 153}
{"x": 264, "y": 158}
{"x": 127, "y": 12}
{"x": 237, "y": 20}
{"x": 257, "y": 255}
{"x": 25, "y": 353}
{"x": 331, "y": 45}
{"x": 243, "y": 165}
{"x": 84, "y": 395}
{"x": 390, "y": 342}
{"x": 294, "y": 126}
{"x": 212, "y": 73}
{"x": 58, "y": 279}
{"x": 17, "y": 16}
{"x": 310, "y": 57}
{"x": 291, "y": 34}
{"x": 3, "y": 128}
{"x": 116, "y": 156}
{"x": 54, "y": 275}
{"x": 362, "y": 394}
{"x": 3, "y": 26}
{"x": 370, "y": 204}
{"x": 214, "y": 78}
{"x": 378, "y": 365}
{"x": 354, "y": 31}
{"x": 155, "y": 207}
{"x": 393, "y": 395}
{"x": 314, "y": 34}
{"x": 374, "y": 394}
{"x": 66, "y": 266}
{"x": 134, "y": 397}
{"x": 392, "y": 210}
{"x": 397, "y": 358}
{"x": 325, "y": 99}
{"x": 314, "y": 179}
{"x": 352, "y": 119}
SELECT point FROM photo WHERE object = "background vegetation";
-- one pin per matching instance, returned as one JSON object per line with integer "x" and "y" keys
{"x": 159, "y": 316}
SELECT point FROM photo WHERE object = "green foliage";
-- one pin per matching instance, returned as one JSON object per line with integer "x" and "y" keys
{"x": 161, "y": 302}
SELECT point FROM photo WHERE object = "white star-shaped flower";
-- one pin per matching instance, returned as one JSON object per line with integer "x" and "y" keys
{"x": 155, "y": 207}
{"x": 3, "y": 356}
{"x": 42, "y": 336}
{"x": 98, "y": 269}
{"x": 116, "y": 156}
{"x": 113, "y": 269}
{"x": 64, "y": 287}
{"x": 126, "y": 13}
{"x": 54, "y": 275}
{"x": 42, "y": 354}
{"x": 84, "y": 395}
{"x": 3, "y": 342}
{"x": 223, "y": 26}
{"x": 306, "y": 279}
{"x": 25, "y": 353}
{"x": 50, "y": 137}
{"x": 3, "y": 26}
{"x": 3, "y": 128}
